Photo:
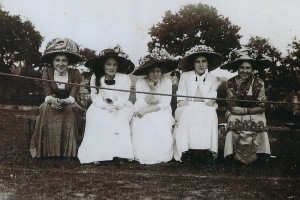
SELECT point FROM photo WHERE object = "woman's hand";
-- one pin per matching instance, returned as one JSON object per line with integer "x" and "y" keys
{"x": 210, "y": 103}
{"x": 183, "y": 103}
{"x": 238, "y": 110}
{"x": 110, "y": 105}
{"x": 57, "y": 104}
{"x": 141, "y": 113}
{"x": 152, "y": 85}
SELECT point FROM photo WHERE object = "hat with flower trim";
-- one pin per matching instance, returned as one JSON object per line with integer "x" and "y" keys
{"x": 157, "y": 57}
{"x": 61, "y": 46}
{"x": 125, "y": 65}
{"x": 245, "y": 54}
{"x": 214, "y": 59}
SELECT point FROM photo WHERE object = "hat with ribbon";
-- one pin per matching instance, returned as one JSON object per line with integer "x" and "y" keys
{"x": 214, "y": 59}
{"x": 61, "y": 46}
{"x": 157, "y": 57}
{"x": 125, "y": 65}
{"x": 245, "y": 54}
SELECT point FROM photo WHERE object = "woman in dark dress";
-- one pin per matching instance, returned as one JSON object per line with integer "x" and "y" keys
{"x": 60, "y": 124}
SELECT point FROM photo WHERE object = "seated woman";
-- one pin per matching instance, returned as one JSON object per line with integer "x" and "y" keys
{"x": 107, "y": 133}
{"x": 59, "y": 126}
{"x": 247, "y": 132}
{"x": 196, "y": 118}
{"x": 152, "y": 122}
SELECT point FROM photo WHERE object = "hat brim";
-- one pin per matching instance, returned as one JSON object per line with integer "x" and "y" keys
{"x": 72, "y": 58}
{"x": 256, "y": 64}
{"x": 125, "y": 66}
{"x": 166, "y": 65}
{"x": 214, "y": 60}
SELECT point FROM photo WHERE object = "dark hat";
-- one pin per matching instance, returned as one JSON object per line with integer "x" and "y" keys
{"x": 61, "y": 46}
{"x": 214, "y": 59}
{"x": 246, "y": 54}
{"x": 158, "y": 57}
{"x": 125, "y": 65}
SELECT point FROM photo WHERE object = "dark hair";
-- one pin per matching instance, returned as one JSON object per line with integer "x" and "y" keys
{"x": 159, "y": 65}
{"x": 99, "y": 72}
{"x": 191, "y": 60}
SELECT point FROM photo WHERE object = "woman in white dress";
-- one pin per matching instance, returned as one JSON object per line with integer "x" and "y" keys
{"x": 107, "y": 133}
{"x": 152, "y": 122}
{"x": 196, "y": 125}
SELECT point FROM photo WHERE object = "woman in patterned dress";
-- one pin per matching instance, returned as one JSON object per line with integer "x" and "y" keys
{"x": 247, "y": 136}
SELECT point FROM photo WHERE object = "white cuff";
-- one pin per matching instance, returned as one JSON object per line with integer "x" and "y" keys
{"x": 49, "y": 99}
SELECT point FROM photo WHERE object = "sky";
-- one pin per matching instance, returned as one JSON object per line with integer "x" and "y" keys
{"x": 100, "y": 24}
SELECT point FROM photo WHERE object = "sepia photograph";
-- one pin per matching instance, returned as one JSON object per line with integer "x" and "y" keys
{"x": 140, "y": 99}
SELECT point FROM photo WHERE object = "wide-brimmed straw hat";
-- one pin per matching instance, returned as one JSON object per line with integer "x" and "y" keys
{"x": 158, "y": 57}
{"x": 125, "y": 65}
{"x": 61, "y": 46}
{"x": 214, "y": 59}
{"x": 245, "y": 54}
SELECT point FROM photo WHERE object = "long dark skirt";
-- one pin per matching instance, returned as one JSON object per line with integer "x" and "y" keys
{"x": 58, "y": 132}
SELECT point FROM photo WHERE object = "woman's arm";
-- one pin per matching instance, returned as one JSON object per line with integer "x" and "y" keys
{"x": 123, "y": 97}
{"x": 212, "y": 93}
{"x": 182, "y": 90}
{"x": 165, "y": 101}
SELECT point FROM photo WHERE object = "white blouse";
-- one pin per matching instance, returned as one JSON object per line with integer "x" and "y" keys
{"x": 164, "y": 86}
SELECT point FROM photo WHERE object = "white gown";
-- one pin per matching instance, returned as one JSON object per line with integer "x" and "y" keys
{"x": 107, "y": 133}
{"x": 152, "y": 134}
{"x": 196, "y": 124}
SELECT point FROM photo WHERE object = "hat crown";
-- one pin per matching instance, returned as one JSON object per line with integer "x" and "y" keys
{"x": 157, "y": 55}
{"x": 199, "y": 49}
{"x": 116, "y": 51}
{"x": 244, "y": 53}
{"x": 62, "y": 45}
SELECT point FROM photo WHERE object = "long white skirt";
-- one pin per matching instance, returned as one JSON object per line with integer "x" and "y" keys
{"x": 107, "y": 135}
{"x": 152, "y": 137}
{"x": 196, "y": 128}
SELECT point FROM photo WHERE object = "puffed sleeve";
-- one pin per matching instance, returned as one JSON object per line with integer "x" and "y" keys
{"x": 165, "y": 101}
{"x": 182, "y": 88}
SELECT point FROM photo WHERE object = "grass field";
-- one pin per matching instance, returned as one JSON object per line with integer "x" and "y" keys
{"x": 22, "y": 177}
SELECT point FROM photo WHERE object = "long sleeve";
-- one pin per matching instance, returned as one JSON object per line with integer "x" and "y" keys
{"x": 165, "y": 101}
{"x": 47, "y": 85}
{"x": 77, "y": 80}
{"x": 212, "y": 92}
{"x": 140, "y": 97}
{"x": 182, "y": 88}
{"x": 95, "y": 97}
{"x": 125, "y": 83}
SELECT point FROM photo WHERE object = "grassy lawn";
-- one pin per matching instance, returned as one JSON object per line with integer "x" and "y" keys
{"x": 22, "y": 177}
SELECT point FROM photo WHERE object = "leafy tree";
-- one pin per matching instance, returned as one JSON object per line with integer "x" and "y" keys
{"x": 292, "y": 63}
{"x": 19, "y": 44}
{"x": 87, "y": 54}
{"x": 281, "y": 79}
{"x": 19, "y": 41}
{"x": 194, "y": 25}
